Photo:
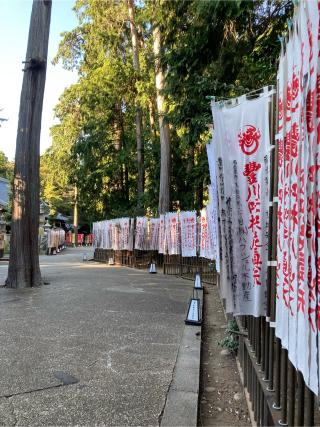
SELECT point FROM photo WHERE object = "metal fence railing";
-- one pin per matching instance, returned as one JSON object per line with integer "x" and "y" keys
{"x": 172, "y": 264}
{"x": 276, "y": 390}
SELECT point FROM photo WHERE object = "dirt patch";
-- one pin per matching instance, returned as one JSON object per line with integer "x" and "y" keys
{"x": 221, "y": 398}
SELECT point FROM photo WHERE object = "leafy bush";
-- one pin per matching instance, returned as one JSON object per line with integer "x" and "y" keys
{"x": 231, "y": 340}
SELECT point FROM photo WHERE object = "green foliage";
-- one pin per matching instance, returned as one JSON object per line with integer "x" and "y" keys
{"x": 220, "y": 48}
{"x": 231, "y": 340}
{"x": 6, "y": 167}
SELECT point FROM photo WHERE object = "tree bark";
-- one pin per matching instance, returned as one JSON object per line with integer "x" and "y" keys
{"x": 153, "y": 130}
{"x": 75, "y": 216}
{"x": 165, "y": 149}
{"x": 117, "y": 127}
{"x": 24, "y": 269}
{"x": 136, "y": 65}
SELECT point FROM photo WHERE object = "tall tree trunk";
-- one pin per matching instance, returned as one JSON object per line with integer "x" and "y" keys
{"x": 24, "y": 269}
{"x": 153, "y": 130}
{"x": 117, "y": 127}
{"x": 125, "y": 169}
{"x": 136, "y": 65}
{"x": 75, "y": 216}
{"x": 165, "y": 149}
{"x": 118, "y": 133}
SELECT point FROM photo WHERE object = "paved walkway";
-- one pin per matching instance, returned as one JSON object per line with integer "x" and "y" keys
{"x": 96, "y": 346}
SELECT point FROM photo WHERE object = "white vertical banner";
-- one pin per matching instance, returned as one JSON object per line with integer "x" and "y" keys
{"x": 212, "y": 207}
{"x": 96, "y": 227}
{"x": 116, "y": 235}
{"x": 141, "y": 232}
{"x": 107, "y": 232}
{"x": 282, "y": 75}
{"x": 154, "y": 226}
{"x": 297, "y": 307}
{"x": 109, "y": 225}
{"x": 146, "y": 240}
{"x": 312, "y": 196}
{"x": 131, "y": 234}
{"x": 213, "y": 223}
{"x": 211, "y": 159}
{"x": 241, "y": 150}
{"x": 188, "y": 222}
{"x": 317, "y": 199}
{"x": 94, "y": 235}
{"x": 205, "y": 242}
{"x": 125, "y": 233}
{"x": 162, "y": 235}
{"x": 173, "y": 233}
{"x": 302, "y": 341}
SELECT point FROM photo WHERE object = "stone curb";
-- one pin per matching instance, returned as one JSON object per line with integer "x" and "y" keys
{"x": 181, "y": 406}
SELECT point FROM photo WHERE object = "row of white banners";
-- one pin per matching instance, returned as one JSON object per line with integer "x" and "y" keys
{"x": 298, "y": 138}
{"x": 173, "y": 233}
{"x": 56, "y": 238}
{"x": 239, "y": 168}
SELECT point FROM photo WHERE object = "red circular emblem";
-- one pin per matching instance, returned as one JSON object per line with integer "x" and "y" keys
{"x": 249, "y": 139}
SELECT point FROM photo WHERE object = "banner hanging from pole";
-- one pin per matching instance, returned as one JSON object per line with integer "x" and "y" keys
{"x": 241, "y": 151}
{"x": 188, "y": 221}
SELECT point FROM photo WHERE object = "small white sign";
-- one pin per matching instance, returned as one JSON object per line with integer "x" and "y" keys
{"x": 153, "y": 268}
{"x": 193, "y": 316}
{"x": 197, "y": 281}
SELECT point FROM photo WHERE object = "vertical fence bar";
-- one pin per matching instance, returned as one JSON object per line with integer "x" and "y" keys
{"x": 248, "y": 372}
{"x": 258, "y": 401}
{"x": 258, "y": 340}
{"x": 263, "y": 338}
{"x": 291, "y": 393}
{"x": 272, "y": 189}
{"x": 309, "y": 403}
{"x": 284, "y": 377}
{"x": 254, "y": 393}
{"x": 277, "y": 402}
{"x": 271, "y": 359}
{"x": 249, "y": 328}
{"x": 260, "y": 406}
{"x": 300, "y": 399}
{"x": 266, "y": 352}
{"x": 244, "y": 366}
{"x": 273, "y": 200}
{"x": 253, "y": 323}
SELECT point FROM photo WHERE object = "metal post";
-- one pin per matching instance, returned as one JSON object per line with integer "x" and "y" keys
{"x": 277, "y": 402}
{"x": 254, "y": 335}
{"x": 262, "y": 406}
{"x": 258, "y": 340}
{"x": 273, "y": 190}
{"x": 291, "y": 393}
{"x": 266, "y": 352}
{"x": 284, "y": 390}
{"x": 254, "y": 393}
{"x": 309, "y": 402}
{"x": 249, "y": 328}
{"x": 258, "y": 401}
{"x": 244, "y": 366}
{"x": 271, "y": 353}
{"x": 248, "y": 373}
{"x": 274, "y": 194}
{"x": 263, "y": 339}
{"x": 300, "y": 399}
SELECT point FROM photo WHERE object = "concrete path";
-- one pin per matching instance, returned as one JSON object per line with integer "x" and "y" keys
{"x": 96, "y": 346}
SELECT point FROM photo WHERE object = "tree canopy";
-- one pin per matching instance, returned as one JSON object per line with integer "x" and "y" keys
{"x": 218, "y": 48}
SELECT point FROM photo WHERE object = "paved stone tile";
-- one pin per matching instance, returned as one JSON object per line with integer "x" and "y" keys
{"x": 116, "y": 330}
